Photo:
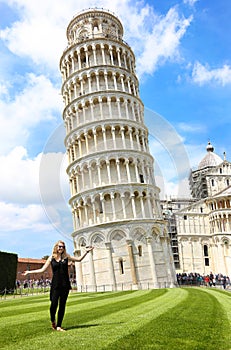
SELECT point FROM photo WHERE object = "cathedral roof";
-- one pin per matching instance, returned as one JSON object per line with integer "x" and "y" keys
{"x": 210, "y": 159}
{"x": 223, "y": 193}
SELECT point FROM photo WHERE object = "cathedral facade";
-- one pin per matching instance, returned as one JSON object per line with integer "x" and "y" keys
{"x": 114, "y": 199}
{"x": 204, "y": 226}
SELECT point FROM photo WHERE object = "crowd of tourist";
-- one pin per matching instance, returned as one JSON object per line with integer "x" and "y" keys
{"x": 32, "y": 283}
{"x": 192, "y": 278}
{"x": 209, "y": 280}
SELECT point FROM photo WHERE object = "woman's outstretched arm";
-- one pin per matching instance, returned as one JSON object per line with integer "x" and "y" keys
{"x": 42, "y": 269}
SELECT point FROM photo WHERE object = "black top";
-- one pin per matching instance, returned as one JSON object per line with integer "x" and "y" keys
{"x": 60, "y": 277}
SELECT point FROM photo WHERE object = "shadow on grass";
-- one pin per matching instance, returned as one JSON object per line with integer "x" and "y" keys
{"x": 92, "y": 325}
{"x": 82, "y": 326}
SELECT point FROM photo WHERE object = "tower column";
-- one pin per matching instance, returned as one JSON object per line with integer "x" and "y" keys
{"x": 105, "y": 78}
{"x": 132, "y": 262}
{"x": 152, "y": 262}
{"x": 109, "y": 106}
{"x": 108, "y": 171}
{"x": 128, "y": 170}
{"x": 123, "y": 206}
{"x": 99, "y": 175}
{"x": 94, "y": 55}
{"x": 92, "y": 270}
{"x": 104, "y": 137}
{"x": 111, "y": 265}
{"x": 118, "y": 106}
{"x": 118, "y": 170}
{"x": 133, "y": 205}
{"x": 79, "y": 271}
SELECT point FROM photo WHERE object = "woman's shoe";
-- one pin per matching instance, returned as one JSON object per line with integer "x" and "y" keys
{"x": 53, "y": 325}
{"x": 60, "y": 329}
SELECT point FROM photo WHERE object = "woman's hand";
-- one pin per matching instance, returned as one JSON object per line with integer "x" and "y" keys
{"x": 25, "y": 273}
{"x": 89, "y": 249}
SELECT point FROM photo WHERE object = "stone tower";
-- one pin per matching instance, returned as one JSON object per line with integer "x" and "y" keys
{"x": 114, "y": 199}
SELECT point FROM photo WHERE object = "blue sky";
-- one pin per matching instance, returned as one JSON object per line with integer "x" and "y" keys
{"x": 183, "y": 52}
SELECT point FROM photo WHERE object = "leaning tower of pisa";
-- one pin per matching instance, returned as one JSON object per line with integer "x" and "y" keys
{"x": 114, "y": 198}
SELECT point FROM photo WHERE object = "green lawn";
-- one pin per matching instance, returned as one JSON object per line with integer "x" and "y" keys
{"x": 178, "y": 318}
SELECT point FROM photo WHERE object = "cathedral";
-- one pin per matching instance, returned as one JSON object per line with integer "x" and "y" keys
{"x": 203, "y": 225}
{"x": 114, "y": 198}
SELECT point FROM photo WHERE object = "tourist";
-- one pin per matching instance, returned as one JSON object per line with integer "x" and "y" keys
{"x": 60, "y": 284}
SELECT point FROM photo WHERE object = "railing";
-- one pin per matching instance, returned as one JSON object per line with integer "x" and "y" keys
{"x": 39, "y": 290}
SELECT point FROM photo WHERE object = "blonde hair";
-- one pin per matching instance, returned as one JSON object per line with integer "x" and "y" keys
{"x": 55, "y": 250}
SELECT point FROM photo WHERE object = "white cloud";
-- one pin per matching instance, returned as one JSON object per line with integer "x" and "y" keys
{"x": 203, "y": 74}
{"x": 22, "y": 179}
{"x": 162, "y": 43}
{"x": 15, "y": 217}
{"x": 190, "y": 2}
{"x": 19, "y": 177}
{"x": 3, "y": 89}
{"x": 26, "y": 201}
{"x": 192, "y": 128}
{"x": 38, "y": 102}
{"x": 41, "y": 37}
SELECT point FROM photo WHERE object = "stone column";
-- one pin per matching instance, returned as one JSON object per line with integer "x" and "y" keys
{"x": 133, "y": 206}
{"x": 94, "y": 54}
{"x": 92, "y": 270}
{"x": 111, "y": 265}
{"x": 118, "y": 106}
{"x": 122, "y": 135}
{"x": 152, "y": 262}
{"x": 118, "y": 169}
{"x": 132, "y": 262}
{"x": 79, "y": 270}
{"x": 105, "y": 79}
{"x": 168, "y": 260}
{"x": 108, "y": 171}
{"x": 123, "y": 206}
{"x": 111, "y": 55}
{"x": 127, "y": 170}
{"x": 113, "y": 206}
{"x": 103, "y": 53}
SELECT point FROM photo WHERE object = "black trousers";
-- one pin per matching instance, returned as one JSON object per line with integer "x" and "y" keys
{"x": 58, "y": 297}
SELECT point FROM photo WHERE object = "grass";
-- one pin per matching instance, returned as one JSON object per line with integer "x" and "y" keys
{"x": 179, "y": 318}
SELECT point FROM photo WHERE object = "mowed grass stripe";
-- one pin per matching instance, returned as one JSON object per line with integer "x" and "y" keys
{"x": 31, "y": 309}
{"x": 224, "y": 299}
{"x": 184, "y": 319}
{"x": 10, "y": 309}
{"x": 30, "y": 325}
{"x": 35, "y": 332}
{"x": 197, "y": 323}
{"x": 83, "y": 313}
{"x": 121, "y": 324}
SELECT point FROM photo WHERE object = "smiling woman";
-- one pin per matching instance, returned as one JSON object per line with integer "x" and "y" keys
{"x": 60, "y": 284}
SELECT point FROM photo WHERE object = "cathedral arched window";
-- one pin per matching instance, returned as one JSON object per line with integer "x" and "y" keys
{"x": 206, "y": 255}
{"x": 206, "y": 251}
{"x": 212, "y": 182}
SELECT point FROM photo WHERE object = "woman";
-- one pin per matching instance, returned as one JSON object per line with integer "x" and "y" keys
{"x": 60, "y": 284}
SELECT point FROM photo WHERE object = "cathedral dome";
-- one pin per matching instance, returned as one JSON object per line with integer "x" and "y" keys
{"x": 210, "y": 159}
